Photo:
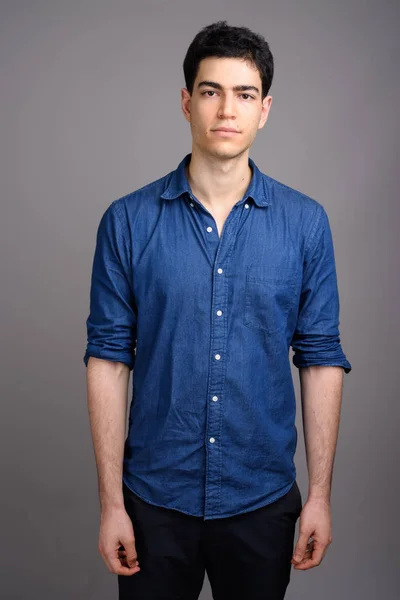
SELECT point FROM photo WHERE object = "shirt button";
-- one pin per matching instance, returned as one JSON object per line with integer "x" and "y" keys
{"x": 219, "y": 312}
{"x": 215, "y": 398}
{"x": 217, "y": 356}
{"x": 209, "y": 228}
{"x": 219, "y": 270}
{"x": 246, "y": 206}
{"x": 212, "y": 440}
{"x": 191, "y": 204}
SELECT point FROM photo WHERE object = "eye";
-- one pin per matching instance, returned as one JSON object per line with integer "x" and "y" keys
{"x": 213, "y": 92}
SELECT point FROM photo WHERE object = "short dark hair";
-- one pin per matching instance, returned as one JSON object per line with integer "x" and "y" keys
{"x": 225, "y": 41}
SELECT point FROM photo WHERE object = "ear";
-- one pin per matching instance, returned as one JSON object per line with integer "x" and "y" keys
{"x": 185, "y": 103}
{"x": 266, "y": 105}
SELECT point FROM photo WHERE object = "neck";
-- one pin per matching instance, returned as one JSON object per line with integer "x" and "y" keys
{"x": 218, "y": 182}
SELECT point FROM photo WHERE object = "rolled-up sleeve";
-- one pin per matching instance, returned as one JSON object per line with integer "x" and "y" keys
{"x": 111, "y": 324}
{"x": 316, "y": 338}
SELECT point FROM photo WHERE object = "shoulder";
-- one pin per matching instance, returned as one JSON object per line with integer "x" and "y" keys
{"x": 283, "y": 193}
{"x": 141, "y": 201}
{"x": 299, "y": 208}
{"x": 150, "y": 192}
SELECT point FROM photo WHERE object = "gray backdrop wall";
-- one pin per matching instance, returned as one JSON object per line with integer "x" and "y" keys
{"x": 90, "y": 110}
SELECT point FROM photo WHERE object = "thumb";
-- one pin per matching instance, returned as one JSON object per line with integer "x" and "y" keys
{"x": 301, "y": 546}
{"x": 131, "y": 554}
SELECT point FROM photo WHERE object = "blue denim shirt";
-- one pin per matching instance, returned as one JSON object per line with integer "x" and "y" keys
{"x": 206, "y": 323}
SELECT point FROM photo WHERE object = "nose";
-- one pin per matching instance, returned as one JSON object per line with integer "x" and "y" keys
{"x": 226, "y": 107}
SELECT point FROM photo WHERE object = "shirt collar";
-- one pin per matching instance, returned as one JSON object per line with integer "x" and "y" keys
{"x": 178, "y": 184}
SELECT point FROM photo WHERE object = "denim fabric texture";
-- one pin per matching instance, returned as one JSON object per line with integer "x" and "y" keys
{"x": 205, "y": 323}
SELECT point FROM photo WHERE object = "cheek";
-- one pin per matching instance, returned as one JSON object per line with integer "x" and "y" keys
{"x": 252, "y": 126}
{"x": 201, "y": 120}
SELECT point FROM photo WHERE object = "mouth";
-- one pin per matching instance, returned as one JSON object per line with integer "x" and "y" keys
{"x": 225, "y": 131}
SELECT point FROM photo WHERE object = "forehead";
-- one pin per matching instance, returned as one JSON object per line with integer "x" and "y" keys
{"x": 228, "y": 71}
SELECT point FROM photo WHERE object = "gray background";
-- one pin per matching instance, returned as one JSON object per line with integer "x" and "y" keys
{"x": 90, "y": 110}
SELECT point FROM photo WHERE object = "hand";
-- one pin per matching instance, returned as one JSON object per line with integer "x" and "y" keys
{"x": 117, "y": 542}
{"x": 315, "y": 521}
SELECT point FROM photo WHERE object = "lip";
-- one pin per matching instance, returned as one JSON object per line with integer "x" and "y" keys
{"x": 226, "y": 130}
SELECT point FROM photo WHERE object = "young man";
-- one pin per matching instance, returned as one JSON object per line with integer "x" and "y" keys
{"x": 201, "y": 282}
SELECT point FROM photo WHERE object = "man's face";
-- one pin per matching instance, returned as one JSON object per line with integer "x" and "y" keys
{"x": 214, "y": 104}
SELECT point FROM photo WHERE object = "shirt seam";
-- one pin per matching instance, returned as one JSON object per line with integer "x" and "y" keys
{"x": 123, "y": 227}
{"x": 125, "y": 241}
{"x": 312, "y": 234}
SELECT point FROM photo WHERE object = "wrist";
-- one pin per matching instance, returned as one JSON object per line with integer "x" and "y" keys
{"x": 112, "y": 501}
{"x": 319, "y": 495}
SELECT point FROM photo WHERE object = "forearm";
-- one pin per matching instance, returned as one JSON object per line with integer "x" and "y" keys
{"x": 321, "y": 396}
{"x": 107, "y": 387}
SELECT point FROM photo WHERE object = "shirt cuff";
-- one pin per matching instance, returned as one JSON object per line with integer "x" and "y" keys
{"x": 124, "y": 357}
{"x": 300, "y": 360}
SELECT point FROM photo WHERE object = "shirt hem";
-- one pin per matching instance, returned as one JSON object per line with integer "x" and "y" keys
{"x": 281, "y": 493}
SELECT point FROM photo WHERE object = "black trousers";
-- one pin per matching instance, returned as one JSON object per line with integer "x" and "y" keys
{"x": 246, "y": 556}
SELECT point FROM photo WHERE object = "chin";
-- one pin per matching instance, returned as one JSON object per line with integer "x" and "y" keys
{"x": 225, "y": 151}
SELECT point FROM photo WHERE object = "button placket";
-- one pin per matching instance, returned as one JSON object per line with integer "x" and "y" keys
{"x": 217, "y": 367}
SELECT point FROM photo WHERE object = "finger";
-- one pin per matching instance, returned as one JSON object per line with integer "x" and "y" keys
{"x": 116, "y": 561}
{"x": 311, "y": 561}
{"x": 307, "y": 555}
{"x": 122, "y": 556}
{"x": 303, "y": 565}
{"x": 114, "y": 566}
{"x": 123, "y": 563}
{"x": 130, "y": 550}
{"x": 318, "y": 553}
{"x": 123, "y": 559}
{"x": 301, "y": 546}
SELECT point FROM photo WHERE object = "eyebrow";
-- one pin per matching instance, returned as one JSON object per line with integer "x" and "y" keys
{"x": 236, "y": 88}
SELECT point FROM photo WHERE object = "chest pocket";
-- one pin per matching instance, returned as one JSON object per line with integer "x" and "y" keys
{"x": 270, "y": 294}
